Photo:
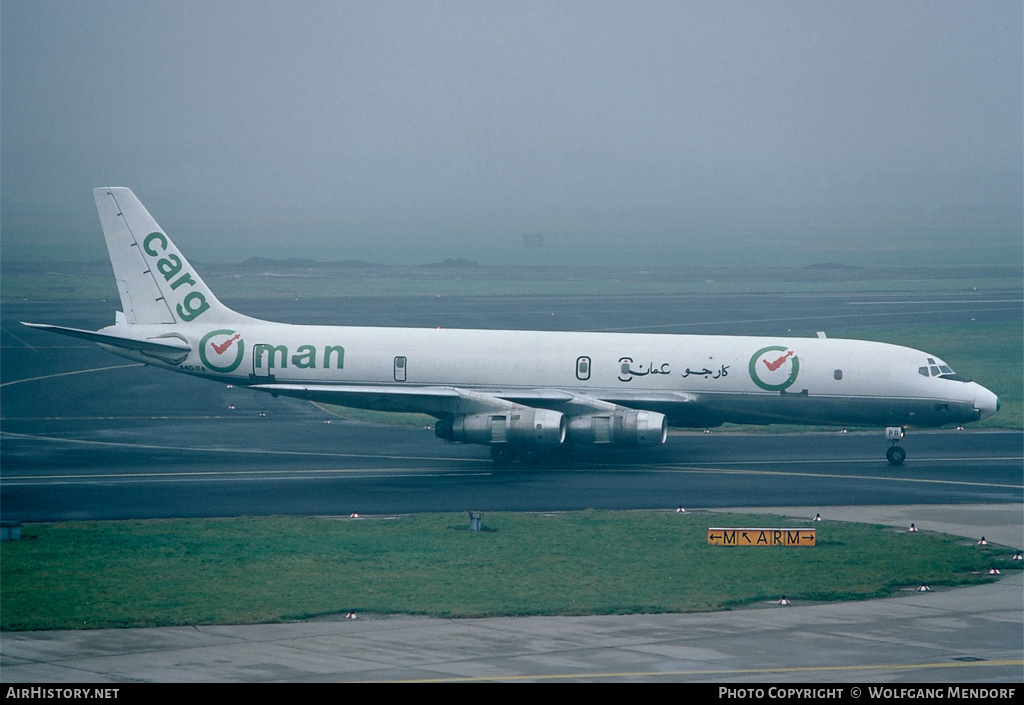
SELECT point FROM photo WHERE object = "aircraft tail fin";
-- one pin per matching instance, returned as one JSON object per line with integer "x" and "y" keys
{"x": 155, "y": 281}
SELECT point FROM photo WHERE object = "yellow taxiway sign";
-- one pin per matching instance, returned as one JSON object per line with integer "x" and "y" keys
{"x": 722, "y": 536}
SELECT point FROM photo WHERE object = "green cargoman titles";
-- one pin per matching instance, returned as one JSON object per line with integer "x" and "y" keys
{"x": 194, "y": 303}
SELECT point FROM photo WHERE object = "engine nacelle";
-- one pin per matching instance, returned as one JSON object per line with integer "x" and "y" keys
{"x": 624, "y": 427}
{"x": 521, "y": 425}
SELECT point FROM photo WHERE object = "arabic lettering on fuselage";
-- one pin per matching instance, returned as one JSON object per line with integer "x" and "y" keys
{"x": 722, "y": 371}
{"x": 628, "y": 370}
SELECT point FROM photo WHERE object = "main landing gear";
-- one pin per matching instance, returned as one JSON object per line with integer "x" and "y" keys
{"x": 505, "y": 453}
{"x": 501, "y": 454}
{"x": 895, "y": 455}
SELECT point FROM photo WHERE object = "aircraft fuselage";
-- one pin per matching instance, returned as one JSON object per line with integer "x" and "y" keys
{"x": 695, "y": 380}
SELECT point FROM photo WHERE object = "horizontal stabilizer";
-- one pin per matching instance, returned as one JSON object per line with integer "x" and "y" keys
{"x": 171, "y": 350}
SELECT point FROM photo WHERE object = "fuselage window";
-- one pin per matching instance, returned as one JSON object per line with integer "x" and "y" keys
{"x": 583, "y": 368}
{"x": 838, "y": 374}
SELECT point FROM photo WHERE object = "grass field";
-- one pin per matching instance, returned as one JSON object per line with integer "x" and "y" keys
{"x": 225, "y": 571}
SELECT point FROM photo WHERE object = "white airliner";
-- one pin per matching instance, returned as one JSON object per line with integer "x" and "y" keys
{"x": 520, "y": 392}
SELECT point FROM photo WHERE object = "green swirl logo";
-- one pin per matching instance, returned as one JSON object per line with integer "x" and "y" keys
{"x": 774, "y": 368}
{"x": 216, "y": 345}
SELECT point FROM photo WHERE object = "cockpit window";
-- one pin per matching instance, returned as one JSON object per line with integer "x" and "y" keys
{"x": 955, "y": 377}
{"x": 940, "y": 370}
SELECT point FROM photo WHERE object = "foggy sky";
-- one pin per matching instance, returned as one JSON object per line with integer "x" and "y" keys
{"x": 265, "y": 119}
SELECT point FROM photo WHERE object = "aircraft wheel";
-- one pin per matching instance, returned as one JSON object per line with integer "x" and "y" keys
{"x": 532, "y": 456}
{"x": 562, "y": 454}
{"x": 896, "y": 455}
{"x": 501, "y": 454}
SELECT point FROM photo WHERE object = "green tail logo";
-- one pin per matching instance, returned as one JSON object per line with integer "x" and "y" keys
{"x": 215, "y": 350}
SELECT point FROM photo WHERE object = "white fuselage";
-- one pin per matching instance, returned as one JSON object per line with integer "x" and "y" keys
{"x": 695, "y": 380}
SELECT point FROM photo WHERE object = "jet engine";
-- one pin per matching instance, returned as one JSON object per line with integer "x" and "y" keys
{"x": 624, "y": 427}
{"x": 522, "y": 426}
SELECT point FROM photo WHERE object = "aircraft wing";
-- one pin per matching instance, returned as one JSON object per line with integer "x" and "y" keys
{"x": 436, "y": 401}
{"x": 447, "y": 401}
{"x": 573, "y": 404}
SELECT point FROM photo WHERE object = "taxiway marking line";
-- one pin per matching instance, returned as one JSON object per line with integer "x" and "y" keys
{"x": 184, "y": 417}
{"x": 937, "y": 302}
{"x": 244, "y": 474}
{"x": 233, "y": 451}
{"x": 727, "y": 672}
{"x": 882, "y": 478}
{"x": 75, "y": 372}
{"x": 20, "y": 340}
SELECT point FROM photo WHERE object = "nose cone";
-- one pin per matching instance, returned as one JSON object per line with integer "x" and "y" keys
{"x": 985, "y": 402}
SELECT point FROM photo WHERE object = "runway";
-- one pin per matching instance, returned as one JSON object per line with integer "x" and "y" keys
{"x": 409, "y": 472}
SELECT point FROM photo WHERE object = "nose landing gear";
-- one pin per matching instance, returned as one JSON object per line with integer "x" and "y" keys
{"x": 895, "y": 454}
